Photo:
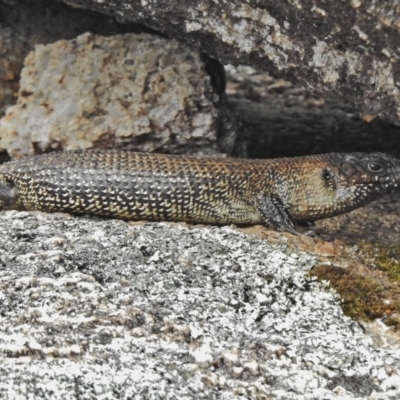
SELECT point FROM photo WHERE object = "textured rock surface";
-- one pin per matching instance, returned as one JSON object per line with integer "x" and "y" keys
{"x": 133, "y": 91}
{"x": 24, "y": 23}
{"x": 343, "y": 49}
{"x": 275, "y": 112}
{"x": 283, "y": 120}
{"x": 102, "y": 309}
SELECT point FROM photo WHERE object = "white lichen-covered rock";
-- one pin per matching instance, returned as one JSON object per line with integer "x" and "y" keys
{"x": 102, "y": 309}
{"x": 134, "y": 91}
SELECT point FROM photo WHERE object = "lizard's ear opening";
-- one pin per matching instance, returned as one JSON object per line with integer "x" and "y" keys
{"x": 329, "y": 178}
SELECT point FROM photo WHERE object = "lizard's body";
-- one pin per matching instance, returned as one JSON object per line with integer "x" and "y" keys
{"x": 158, "y": 187}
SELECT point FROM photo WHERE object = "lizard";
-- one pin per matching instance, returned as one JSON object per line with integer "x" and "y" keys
{"x": 144, "y": 186}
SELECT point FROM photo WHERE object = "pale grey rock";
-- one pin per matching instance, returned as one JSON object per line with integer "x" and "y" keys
{"x": 23, "y": 24}
{"x": 95, "y": 309}
{"x": 139, "y": 92}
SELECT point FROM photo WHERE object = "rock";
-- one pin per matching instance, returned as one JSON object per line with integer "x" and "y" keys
{"x": 347, "y": 50}
{"x": 138, "y": 92}
{"x": 156, "y": 310}
{"x": 284, "y": 120}
{"x": 23, "y": 24}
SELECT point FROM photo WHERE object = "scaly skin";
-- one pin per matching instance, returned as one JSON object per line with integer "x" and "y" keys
{"x": 138, "y": 186}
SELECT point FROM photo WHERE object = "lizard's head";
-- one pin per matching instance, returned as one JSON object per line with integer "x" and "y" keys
{"x": 367, "y": 175}
{"x": 343, "y": 182}
{"x": 358, "y": 178}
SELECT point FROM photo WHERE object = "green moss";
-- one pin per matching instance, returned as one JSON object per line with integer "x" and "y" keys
{"x": 386, "y": 259}
{"x": 363, "y": 298}
{"x": 370, "y": 295}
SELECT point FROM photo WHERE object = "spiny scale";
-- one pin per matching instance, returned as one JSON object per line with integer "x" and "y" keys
{"x": 158, "y": 187}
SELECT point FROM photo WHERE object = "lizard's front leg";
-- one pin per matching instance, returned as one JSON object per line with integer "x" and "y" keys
{"x": 275, "y": 213}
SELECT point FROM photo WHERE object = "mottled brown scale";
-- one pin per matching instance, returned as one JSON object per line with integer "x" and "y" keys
{"x": 158, "y": 187}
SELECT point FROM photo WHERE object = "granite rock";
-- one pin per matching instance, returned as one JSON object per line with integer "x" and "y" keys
{"x": 23, "y": 24}
{"x": 105, "y": 309}
{"x": 139, "y": 92}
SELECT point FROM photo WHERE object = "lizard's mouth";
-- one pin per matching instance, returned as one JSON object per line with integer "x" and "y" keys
{"x": 388, "y": 184}
{"x": 385, "y": 188}
{"x": 385, "y": 185}
{"x": 381, "y": 182}
{"x": 392, "y": 179}
{"x": 374, "y": 173}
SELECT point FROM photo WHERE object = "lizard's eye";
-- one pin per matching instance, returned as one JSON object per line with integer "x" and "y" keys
{"x": 375, "y": 167}
{"x": 329, "y": 178}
